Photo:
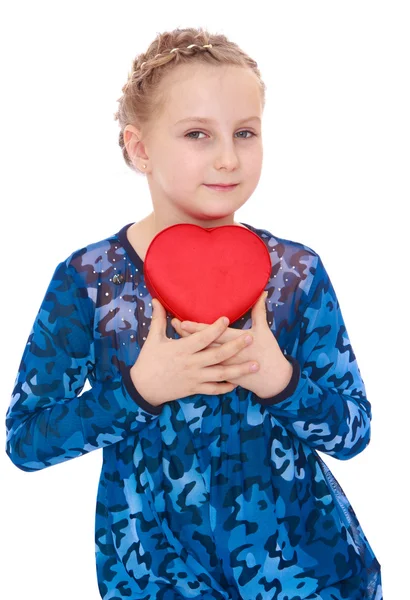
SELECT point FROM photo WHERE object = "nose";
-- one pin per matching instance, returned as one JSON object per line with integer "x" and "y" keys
{"x": 227, "y": 156}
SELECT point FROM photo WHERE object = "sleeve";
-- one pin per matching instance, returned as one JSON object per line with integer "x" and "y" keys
{"x": 49, "y": 420}
{"x": 325, "y": 402}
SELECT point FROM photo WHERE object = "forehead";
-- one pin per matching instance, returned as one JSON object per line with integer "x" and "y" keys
{"x": 192, "y": 89}
{"x": 199, "y": 73}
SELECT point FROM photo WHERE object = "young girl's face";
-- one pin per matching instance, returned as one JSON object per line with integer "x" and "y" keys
{"x": 184, "y": 156}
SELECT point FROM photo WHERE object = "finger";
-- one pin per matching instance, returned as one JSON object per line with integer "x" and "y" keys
{"x": 231, "y": 373}
{"x": 190, "y": 326}
{"x": 226, "y": 351}
{"x": 158, "y": 319}
{"x": 176, "y": 323}
{"x": 193, "y": 327}
{"x": 181, "y": 332}
{"x": 202, "y": 339}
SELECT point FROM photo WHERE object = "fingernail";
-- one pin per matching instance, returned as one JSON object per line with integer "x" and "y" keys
{"x": 225, "y": 321}
{"x": 254, "y": 367}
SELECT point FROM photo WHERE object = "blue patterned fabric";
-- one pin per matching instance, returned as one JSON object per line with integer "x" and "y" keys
{"x": 208, "y": 496}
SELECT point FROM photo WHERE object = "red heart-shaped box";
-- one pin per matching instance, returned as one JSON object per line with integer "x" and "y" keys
{"x": 200, "y": 274}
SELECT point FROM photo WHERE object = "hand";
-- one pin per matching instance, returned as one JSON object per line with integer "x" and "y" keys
{"x": 168, "y": 369}
{"x": 275, "y": 370}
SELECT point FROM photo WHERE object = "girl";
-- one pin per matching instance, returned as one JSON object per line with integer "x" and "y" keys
{"x": 211, "y": 485}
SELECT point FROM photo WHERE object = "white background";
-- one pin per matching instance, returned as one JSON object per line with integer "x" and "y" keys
{"x": 335, "y": 177}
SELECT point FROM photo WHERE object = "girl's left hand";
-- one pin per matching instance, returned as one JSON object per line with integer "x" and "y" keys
{"x": 274, "y": 372}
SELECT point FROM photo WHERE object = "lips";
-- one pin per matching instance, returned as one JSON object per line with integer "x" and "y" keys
{"x": 221, "y": 187}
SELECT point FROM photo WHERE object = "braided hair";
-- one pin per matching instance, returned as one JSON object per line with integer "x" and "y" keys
{"x": 143, "y": 97}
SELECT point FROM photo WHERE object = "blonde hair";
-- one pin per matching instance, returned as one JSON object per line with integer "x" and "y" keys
{"x": 142, "y": 99}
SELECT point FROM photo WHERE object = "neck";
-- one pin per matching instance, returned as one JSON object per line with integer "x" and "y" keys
{"x": 155, "y": 223}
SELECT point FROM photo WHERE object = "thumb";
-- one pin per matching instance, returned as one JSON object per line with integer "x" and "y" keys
{"x": 158, "y": 319}
{"x": 259, "y": 309}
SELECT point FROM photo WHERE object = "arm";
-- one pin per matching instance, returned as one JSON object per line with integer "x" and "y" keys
{"x": 48, "y": 421}
{"x": 325, "y": 401}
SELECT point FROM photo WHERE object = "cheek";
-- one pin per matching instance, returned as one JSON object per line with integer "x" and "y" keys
{"x": 254, "y": 159}
{"x": 183, "y": 170}
{"x": 194, "y": 165}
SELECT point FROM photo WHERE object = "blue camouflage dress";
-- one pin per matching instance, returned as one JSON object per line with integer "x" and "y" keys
{"x": 209, "y": 496}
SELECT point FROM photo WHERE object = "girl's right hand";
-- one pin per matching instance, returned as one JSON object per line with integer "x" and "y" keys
{"x": 167, "y": 369}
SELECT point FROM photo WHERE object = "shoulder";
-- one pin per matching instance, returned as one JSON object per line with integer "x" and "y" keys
{"x": 93, "y": 258}
{"x": 291, "y": 246}
{"x": 294, "y": 257}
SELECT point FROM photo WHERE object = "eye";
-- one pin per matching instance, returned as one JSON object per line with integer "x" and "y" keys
{"x": 191, "y": 132}
{"x": 243, "y": 131}
{"x": 247, "y": 131}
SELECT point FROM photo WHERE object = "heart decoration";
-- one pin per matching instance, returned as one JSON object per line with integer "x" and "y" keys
{"x": 199, "y": 274}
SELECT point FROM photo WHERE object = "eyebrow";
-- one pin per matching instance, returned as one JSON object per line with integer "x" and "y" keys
{"x": 205, "y": 120}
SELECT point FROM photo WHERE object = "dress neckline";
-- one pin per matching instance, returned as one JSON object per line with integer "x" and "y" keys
{"x": 131, "y": 252}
